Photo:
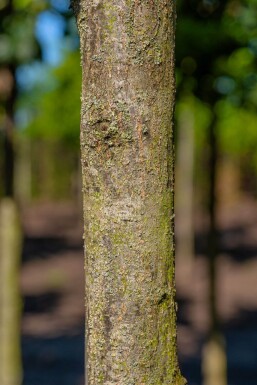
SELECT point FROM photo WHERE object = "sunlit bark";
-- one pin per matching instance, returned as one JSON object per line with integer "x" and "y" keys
{"x": 127, "y": 57}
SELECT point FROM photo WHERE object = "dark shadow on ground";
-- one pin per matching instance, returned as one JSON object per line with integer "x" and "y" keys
{"x": 59, "y": 360}
{"x": 53, "y": 361}
{"x": 232, "y": 241}
{"x": 42, "y": 303}
{"x": 242, "y": 356}
{"x": 241, "y": 338}
{"x": 45, "y": 247}
{"x": 240, "y": 334}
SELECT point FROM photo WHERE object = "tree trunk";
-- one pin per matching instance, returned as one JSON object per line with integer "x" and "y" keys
{"x": 23, "y": 177}
{"x": 184, "y": 191}
{"x": 10, "y": 301}
{"x": 214, "y": 363}
{"x": 8, "y": 143}
{"x": 127, "y": 55}
{"x": 10, "y": 243}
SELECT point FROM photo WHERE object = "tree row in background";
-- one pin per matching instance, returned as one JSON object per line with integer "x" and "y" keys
{"x": 216, "y": 80}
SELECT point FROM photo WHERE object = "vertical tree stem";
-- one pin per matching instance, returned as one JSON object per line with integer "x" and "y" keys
{"x": 127, "y": 57}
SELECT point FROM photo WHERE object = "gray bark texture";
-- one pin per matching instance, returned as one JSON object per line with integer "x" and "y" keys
{"x": 127, "y": 57}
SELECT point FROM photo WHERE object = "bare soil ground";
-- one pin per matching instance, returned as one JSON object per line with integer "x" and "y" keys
{"x": 52, "y": 286}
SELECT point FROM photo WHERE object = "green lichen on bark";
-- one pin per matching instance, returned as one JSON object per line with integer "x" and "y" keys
{"x": 127, "y": 56}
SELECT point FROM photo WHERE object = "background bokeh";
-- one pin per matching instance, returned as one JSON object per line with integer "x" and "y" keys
{"x": 41, "y": 248}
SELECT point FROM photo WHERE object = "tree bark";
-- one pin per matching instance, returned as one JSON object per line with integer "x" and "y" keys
{"x": 10, "y": 301}
{"x": 127, "y": 56}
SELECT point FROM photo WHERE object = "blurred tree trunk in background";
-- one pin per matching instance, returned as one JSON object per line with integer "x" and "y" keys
{"x": 8, "y": 132}
{"x": 184, "y": 190}
{"x": 23, "y": 169}
{"x": 128, "y": 88}
{"x": 10, "y": 302}
{"x": 214, "y": 356}
{"x": 10, "y": 233}
{"x": 10, "y": 254}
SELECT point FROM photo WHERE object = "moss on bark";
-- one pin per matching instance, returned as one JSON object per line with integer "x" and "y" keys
{"x": 127, "y": 56}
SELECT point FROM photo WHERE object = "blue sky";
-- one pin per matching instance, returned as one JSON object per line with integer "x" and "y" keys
{"x": 49, "y": 30}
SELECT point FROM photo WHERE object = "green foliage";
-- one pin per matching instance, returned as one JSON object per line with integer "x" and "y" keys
{"x": 237, "y": 131}
{"x": 216, "y": 54}
{"x": 17, "y": 40}
{"x": 30, "y": 6}
{"x": 17, "y": 43}
{"x": 58, "y": 115}
{"x": 217, "y": 72}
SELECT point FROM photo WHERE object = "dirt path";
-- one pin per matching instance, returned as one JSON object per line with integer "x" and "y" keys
{"x": 53, "y": 291}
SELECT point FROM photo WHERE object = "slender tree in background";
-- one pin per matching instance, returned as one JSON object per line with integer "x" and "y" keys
{"x": 214, "y": 362}
{"x": 185, "y": 190}
{"x": 10, "y": 248}
{"x": 18, "y": 45}
{"x": 127, "y": 56}
{"x": 10, "y": 302}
